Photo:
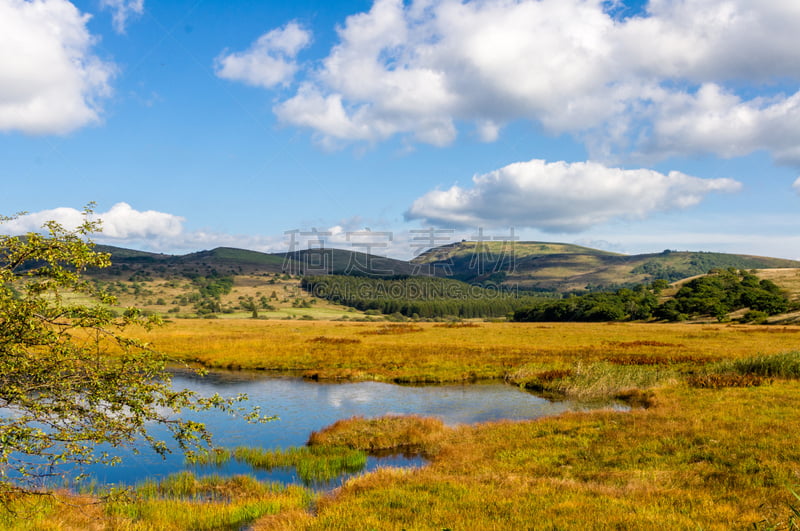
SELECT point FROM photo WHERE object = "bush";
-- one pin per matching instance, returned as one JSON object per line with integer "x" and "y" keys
{"x": 754, "y": 316}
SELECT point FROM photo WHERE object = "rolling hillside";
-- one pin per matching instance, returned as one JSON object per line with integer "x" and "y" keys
{"x": 534, "y": 266}
{"x": 542, "y": 266}
{"x": 175, "y": 284}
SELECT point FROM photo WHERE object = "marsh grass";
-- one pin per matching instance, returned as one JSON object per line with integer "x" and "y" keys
{"x": 600, "y": 381}
{"x": 185, "y": 501}
{"x": 432, "y": 353}
{"x": 718, "y": 380}
{"x": 393, "y": 329}
{"x": 179, "y": 502}
{"x": 716, "y": 458}
{"x": 313, "y": 464}
{"x": 748, "y": 372}
{"x": 407, "y": 434}
{"x": 782, "y": 365}
{"x": 692, "y": 462}
{"x": 334, "y": 340}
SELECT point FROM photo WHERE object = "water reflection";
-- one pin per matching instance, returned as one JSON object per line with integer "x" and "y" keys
{"x": 305, "y": 406}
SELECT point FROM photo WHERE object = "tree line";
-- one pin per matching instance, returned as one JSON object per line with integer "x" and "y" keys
{"x": 417, "y": 297}
{"x": 717, "y": 295}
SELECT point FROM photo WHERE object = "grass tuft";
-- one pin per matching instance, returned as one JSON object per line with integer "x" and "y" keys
{"x": 409, "y": 434}
{"x": 785, "y": 365}
{"x": 724, "y": 379}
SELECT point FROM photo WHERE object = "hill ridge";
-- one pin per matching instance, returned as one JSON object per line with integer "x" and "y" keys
{"x": 529, "y": 265}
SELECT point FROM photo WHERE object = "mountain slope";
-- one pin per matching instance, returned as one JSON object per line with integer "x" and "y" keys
{"x": 542, "y": 266}
{"x": 534, "y": 266}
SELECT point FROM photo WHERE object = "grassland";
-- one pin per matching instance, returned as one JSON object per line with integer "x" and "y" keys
{"x": 171, "y": 296}
{"x": 448, "y": 352}
{"x": 713, "y": 447}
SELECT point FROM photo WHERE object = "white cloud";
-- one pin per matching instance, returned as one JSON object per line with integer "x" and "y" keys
{"x": 562, "y": 197}
{"x": 717, "y": 121}
{"x": 123, "y": 222}
{"x": 123, "y": 10}
{"x": 270, "y": 61}
{"x": 424, "y": 68}
{"x": 148, "y": 230}
{"x": 120, "y": 222}
{"x": 50, "y": 82}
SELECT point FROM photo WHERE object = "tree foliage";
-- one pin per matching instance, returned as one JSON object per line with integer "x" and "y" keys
{"x": 722, "y": 292}
{"x": 717, "y": 294}
{"x": 623, "y": 305}
{"x": 425, "y": 297}
{"x": 70, "y": 380}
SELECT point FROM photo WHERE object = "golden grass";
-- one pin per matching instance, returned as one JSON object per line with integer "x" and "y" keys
{"x": 702, "y": 459}
{"x": 787, "y": 279}
{"x": 429, "y": 352}
{"x": 710, "y": 456}
{"x": 408, "y": 434}
{"x": 179, "y": 502}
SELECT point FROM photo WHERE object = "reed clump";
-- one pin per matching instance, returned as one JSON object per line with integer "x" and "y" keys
{"x": 313, "y": 464}
{"x": 408, "y": 434}
{"x": 748, "y": 372}
{"x": 465, "y": 324}
{"x": 394, "y": 329}
{"x": 334, "y": 340}
{"x": 725, "y": 379}
{"x": 599, "y": 381}
{"x": 782, "y": 365}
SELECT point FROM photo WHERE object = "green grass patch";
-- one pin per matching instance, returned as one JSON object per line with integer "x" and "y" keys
{"x": 313, "y": 464}
{"x": 785, "y": 365}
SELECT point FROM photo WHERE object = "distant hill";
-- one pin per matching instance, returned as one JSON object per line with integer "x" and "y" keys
{"x": 222, "y": 260}
{"x": 534, "y": 266}
{"x": 544, "y": 266}
{"x": 343, "y": 262}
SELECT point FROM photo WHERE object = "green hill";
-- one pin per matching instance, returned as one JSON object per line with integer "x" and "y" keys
{"x": 541, "y": 266}
{"x": 174, "y": 283}
{"x": 343, "y": 262}
{"x": 532, "y": 266}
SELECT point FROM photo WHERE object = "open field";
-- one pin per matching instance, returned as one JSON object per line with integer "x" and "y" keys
{"x": 173, "y": 296}
{"x": 442, "y": 352}
{"x": 714, "y": 448}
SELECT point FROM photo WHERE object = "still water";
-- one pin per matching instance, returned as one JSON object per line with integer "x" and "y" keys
{"x": 305, "y": 406}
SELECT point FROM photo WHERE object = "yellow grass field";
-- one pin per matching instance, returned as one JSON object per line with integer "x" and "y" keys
{"x": 718, "y": 457}
{"x": 440, "y": 352}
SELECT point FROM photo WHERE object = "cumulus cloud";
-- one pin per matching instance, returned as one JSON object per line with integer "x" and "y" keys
{"x": 270, "y": 61}
{"x": 423, "y": 69}
{"x": 120, "y": 222}
{"x": 562, "y": 197}
{"x": 149, "y": 230}
{"x": 714, "y": 120}
{"x": 123, "y": 11}
{"x": 50, "y": 81}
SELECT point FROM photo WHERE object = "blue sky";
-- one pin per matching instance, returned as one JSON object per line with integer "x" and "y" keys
{"x": 628, "y": 126}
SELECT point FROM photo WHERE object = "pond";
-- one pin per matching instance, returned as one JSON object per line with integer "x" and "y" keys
{"x": 304, "y": 406}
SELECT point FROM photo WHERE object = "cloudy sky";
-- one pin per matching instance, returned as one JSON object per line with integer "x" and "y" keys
{"x": 630, "y": 126}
